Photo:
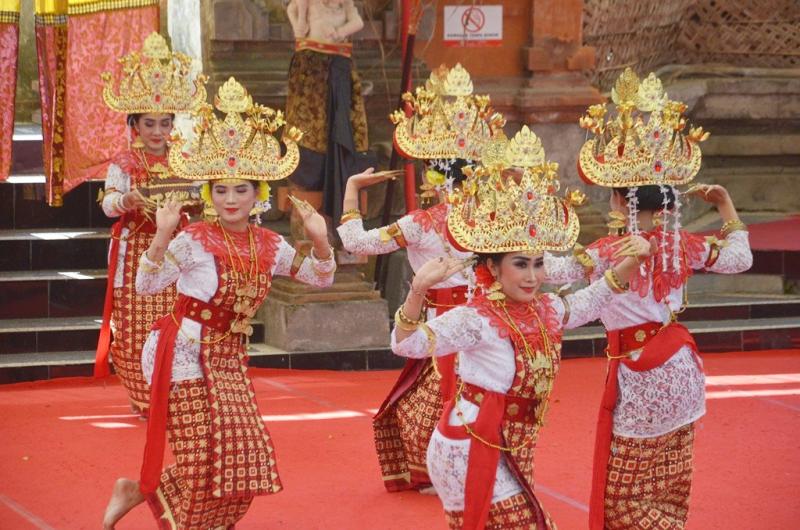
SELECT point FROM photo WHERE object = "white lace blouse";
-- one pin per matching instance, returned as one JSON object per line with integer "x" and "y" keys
{"x": 666, "y": 398}
{"x": 195, "y": 271}
{"x": 487, "y": 360}
{"x": 116, "y": 185}
{"x": 423, "y": 245}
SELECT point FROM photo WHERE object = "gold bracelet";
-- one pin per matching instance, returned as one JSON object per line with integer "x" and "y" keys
{"x": 405, "y": 323}
{"x": 401, "y": 323}
{"x": 349, "y": 215}
{"x": 613, "y": 281}
{"x": 155, "y": 267}
{"x": 732, "y": 226}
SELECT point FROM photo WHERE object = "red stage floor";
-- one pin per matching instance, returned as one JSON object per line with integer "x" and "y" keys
{"x": 64, "y": 442}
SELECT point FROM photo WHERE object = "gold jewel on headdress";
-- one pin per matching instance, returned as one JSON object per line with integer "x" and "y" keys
{"x": 154, "y": 80}
{"x": 627, "y": 151}
{"x": 509, "y": 202}
{"x": 237, "y": 147}
{"x": 447, "y": 121}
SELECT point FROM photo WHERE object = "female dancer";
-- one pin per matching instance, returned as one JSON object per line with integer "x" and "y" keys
{"x": 196, "y": 356}
{"x": 406, "y": 419}
{"x": 508, "y": 339}
{"x": 655, "y": 389}
{"x": 151, "y": 107}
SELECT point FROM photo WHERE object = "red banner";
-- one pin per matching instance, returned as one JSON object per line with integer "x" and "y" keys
{"x": 9, "y": 45}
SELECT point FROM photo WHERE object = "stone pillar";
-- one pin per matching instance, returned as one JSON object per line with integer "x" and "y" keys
{"x": 185, "y": 32}
{"x": 557, "y": 91}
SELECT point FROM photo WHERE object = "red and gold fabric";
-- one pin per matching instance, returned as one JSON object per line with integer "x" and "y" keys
{"x": 99, "y": 33}
{"x": 51, "y": 51}
{"x": 9, "y": 48}
{"x": 649, "y": 480}
{"x": 184, "y": 498}
{"x": 508, "y": 422}
{"x": 513, "y": 512}
{"x": 658, "y": 343}
{"x": 235, "y": 421}
{"x": 129, "y": 314}
{"x": 405, "y": 421}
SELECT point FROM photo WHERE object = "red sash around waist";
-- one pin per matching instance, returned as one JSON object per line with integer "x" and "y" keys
{"x": 344, "y": 49}
{"x": 658, "y": 343}
{"x": 446, "y": 297}
{"x": 208, "y": 315}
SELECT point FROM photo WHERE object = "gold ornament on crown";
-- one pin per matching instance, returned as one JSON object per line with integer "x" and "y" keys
{"x": 154, "y": 80}
{"x": 448, "y": 121}
{"x": 629, "y": 150}
{"x": 509, "y": 203}
{"x": 242, "y": 146}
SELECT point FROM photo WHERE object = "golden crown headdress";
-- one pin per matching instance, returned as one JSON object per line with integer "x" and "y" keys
{"x": 155, "y": 80}
{"x": 448, "y": 121}
{"x": 236, "y": 147}
{"x": 509, "y": 202}
{"x": 629, "y": 151}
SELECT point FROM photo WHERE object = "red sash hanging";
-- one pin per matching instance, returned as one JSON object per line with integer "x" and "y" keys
{"x": 657, "y": 351}
{"x": 162, "y": 376}
{"x": 132, "y": 221}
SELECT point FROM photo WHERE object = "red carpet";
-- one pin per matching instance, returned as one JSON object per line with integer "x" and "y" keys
{"x": 64, "y": 442}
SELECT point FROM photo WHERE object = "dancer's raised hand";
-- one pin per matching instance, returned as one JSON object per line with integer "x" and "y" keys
{"x": 313, "y": 223}
{"x": 711, "y": 193}
{"x": 168, "y": 215}
{"x": 635, "y": 246}
{"x": 370, "y": 177}
{"x": 437, "y": 270}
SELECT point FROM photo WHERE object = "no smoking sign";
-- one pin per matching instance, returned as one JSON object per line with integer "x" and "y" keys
{"x": 473, "y": 25}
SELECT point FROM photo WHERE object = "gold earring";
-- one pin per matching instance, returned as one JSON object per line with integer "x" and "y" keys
{"x": 617, "y": 226}
{"x": 496, "y": 292}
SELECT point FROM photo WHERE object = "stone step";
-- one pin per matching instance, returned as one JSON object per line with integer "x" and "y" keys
{"x": 711, "y": 337}
{"x": 735, "y": 283}
{"x": 23, "y": 206}
{"x": 758, "y": 188}
{"x": 26, "y": 149}
{"x": 50, "y": 248}
{"x": 761, "y": 144}
{"x": 52, "y": 293}
{"x": 43, "y": 335}
{"x": 709, "y": 306}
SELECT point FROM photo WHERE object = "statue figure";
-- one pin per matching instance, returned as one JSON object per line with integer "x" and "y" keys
{"x": 324, "y": 99}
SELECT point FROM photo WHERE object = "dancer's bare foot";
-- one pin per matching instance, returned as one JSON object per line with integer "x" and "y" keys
{"x": 125, "y": 496}
{"x": 430, "y": 490}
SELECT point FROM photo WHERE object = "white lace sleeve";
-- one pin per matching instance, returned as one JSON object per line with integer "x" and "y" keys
{"x": 117, "y": 183}
{"x": 312, "y": 271}
{"x": 736, "y": 256}
{"x": 560, "y": 270}
{"x": 587, "y": 304}
{"x": 152, "y": 278}
{"x": 457, "y": 330}
{"x": 378, "y": 240}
